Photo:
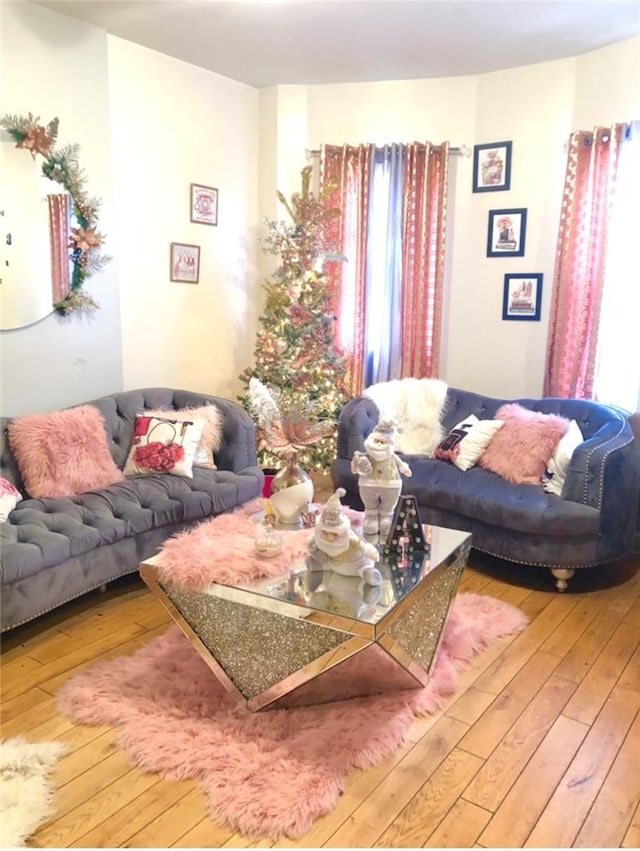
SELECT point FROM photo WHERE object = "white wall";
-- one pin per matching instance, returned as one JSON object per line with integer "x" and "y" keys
{"x": 536, "y": 107}
{"x": 484, "y": 353}
{"x": 398, "y": 111}
{"x": 607, "y": 85}
{"x": 283, "y": 142}
{"x": 188, "y": 126}
{"x": 52, "y": 65}
{"x": 149, "y": 125}
{"x": 480, "y": 351}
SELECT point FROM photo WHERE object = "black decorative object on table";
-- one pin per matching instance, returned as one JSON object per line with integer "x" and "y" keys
{"x": 406, "y": 547}
{"x": 406, "y": 535}
{"x": 405, "y": 571}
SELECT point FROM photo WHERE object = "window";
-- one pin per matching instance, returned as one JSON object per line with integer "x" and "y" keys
{"x": 388, "y": 295}
{"x": 618, "y": 367}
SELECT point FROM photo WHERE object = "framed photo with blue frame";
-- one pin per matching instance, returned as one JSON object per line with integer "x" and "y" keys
{"x": 492, "y": 167}
{"x": 522, "y": 296}
{"x": 507, "y": 232}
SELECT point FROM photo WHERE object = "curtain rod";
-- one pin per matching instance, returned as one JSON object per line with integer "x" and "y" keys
{"x": 460, "y": 150}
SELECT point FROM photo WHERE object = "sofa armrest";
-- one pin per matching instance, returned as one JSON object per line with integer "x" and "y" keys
{"x": 8, "y": 465}
{"x": 605, "y": 474}
{"x": 586, "y": 478}
{"x": 356, "y": 422}
{"x": 238, "y": 449}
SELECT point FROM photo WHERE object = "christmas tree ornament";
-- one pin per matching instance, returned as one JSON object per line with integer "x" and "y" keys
{"x": 284, "y": 432}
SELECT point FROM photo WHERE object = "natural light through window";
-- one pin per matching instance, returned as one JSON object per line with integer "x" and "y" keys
{"x": 618, "y": 370}
{"x": 377, "y": 302}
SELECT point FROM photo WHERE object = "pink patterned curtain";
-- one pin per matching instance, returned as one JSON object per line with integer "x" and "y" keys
{"x": 347, "y": 170}
{"x": 59, "y": 241}
{"x": 580, "y": 262}
{"x": 424, "y": 231}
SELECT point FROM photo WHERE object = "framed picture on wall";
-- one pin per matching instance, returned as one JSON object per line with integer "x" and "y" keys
{"x": 184, "y": 263}
{"x": 492, "y": 167}
{"x": 506, "y": 232}
{"x": 522, "y": 296}
{"x": 204, "y": 204}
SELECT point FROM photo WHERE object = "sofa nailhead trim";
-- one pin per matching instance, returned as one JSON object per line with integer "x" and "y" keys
{"x": 535, "y": 563}
{"x": 602, "y": 466}
{"x": 67, "y": 600}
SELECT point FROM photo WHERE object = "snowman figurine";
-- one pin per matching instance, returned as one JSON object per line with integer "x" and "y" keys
{"x": 379, "y": 483}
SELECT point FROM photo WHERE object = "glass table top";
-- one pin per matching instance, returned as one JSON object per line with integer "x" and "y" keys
{"x": 310, "y": 636}
{"x": 326, "y": 591}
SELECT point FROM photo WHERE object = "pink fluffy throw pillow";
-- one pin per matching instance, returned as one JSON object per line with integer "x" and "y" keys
{"x": 63, "y": 453}
{"x": 519, "y": 452}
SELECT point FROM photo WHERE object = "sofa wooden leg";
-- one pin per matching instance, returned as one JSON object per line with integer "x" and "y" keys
{"x": 562, "y": 574}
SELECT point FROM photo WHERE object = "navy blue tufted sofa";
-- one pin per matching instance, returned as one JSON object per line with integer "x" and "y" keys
{"x": 53, "y": 550}
{"x": 593, "y": 522}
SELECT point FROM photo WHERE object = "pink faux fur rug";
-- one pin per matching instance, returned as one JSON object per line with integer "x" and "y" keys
{"x": 269, "y": 774}
{"x": 223, "y": 550}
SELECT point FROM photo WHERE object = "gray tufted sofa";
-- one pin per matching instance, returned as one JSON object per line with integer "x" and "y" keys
{"x": 53, "y": 550}
{"x": 593, "y": 522}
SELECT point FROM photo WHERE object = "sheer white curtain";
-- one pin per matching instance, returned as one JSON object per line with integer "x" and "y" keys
{"x": 383, "y": 282}
{"x": 617, "y": 379}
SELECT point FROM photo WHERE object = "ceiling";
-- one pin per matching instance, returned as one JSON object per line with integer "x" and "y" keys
{"x": 269, "y": 42}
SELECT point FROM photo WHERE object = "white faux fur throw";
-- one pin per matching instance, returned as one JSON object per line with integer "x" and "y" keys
{"x": 416, "y": 404}
{"x": 25, "y": 791}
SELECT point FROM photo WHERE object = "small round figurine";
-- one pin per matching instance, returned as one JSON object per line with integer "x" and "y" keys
{"x": 335, "y": 546}
{"x": 269, "y": 542}
{"x": 379, "y": 482}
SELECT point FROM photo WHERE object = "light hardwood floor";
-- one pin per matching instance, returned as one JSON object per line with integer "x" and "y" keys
{"x": 540, "y": 747}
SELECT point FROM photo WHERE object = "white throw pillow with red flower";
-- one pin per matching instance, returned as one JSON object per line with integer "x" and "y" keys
{"x": 163, "y": 446}
{"x": 211, "y": 432}
{"x": 10, "y": 496}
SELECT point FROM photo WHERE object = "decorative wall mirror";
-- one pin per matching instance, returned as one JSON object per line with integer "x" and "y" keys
{"x": 49, "y": 241}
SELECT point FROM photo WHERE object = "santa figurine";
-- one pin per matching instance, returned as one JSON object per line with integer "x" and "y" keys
{"x": 379, "y": 470}
{"x": 344, "y": 595}
{"x": 335, "y": 546}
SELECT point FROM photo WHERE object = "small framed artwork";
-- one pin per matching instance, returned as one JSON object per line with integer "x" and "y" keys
{"x": 522, "y": 296}
{"x": 492, "y": 167}
{"x": 185, "y": 263}
{"x": 506, "y": 233}
{"x": 204, "y": 204}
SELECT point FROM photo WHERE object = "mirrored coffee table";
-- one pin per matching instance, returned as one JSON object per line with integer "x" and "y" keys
{"x": 312, "y": 636}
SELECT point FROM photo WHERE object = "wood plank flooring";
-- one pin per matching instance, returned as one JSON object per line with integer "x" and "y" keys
{"x": 540, "y": 747}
